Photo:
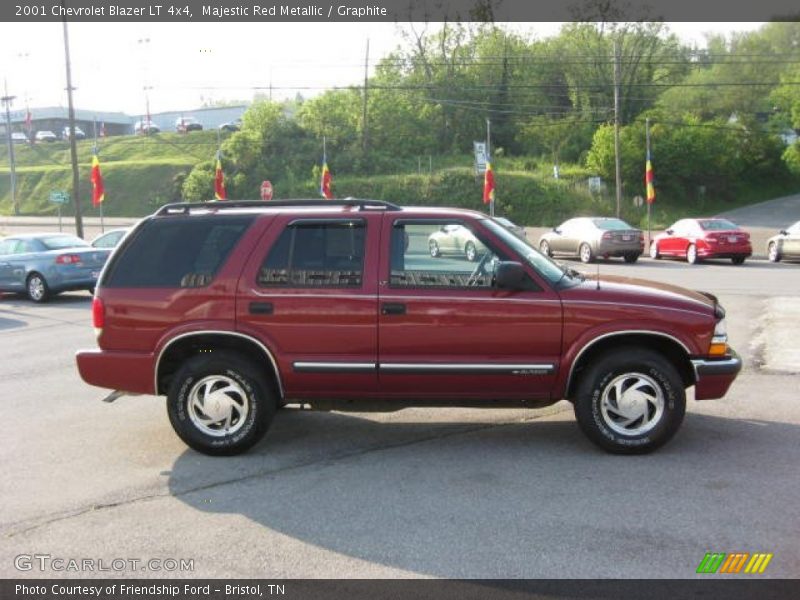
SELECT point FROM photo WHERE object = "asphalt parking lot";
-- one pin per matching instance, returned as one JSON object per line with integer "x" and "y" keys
{"x": 456, "y": 493}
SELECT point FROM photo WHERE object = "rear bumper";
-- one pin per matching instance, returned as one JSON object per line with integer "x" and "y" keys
{"x": 126, "y": 371}
{"x": 619, "y": 248}
{"x": 726, "y": 251}
{"x": 714, "y": 377}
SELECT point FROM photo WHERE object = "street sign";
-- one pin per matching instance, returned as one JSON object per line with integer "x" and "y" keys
{"x": 266, "y": 190}
{"x": 638, "y": 201}
{"x": 59, "y": 197}
{"x": 480, "y": 157}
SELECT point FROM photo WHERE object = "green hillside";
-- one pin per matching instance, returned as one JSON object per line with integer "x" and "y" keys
{"x": 140, "y": 173}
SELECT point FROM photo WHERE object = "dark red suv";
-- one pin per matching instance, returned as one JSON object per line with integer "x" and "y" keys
{"x": 233, "y": 309}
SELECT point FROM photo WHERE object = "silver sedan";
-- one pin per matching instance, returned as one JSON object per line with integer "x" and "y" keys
{"x": 591, "y": 237}
{"x": 785, "y": 245}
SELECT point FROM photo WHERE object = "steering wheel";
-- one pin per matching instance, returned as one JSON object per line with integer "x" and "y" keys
{"x": 480, "y": 268}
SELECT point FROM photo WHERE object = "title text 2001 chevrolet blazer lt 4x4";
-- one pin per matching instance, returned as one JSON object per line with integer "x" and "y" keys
{"x": 233, "y": 309}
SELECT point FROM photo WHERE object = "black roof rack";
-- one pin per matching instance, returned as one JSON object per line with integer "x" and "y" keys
{"x": 186, "y": 207}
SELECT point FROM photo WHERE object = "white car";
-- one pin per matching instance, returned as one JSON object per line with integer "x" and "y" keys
{"x": 111, "y": 238}
{"x": 45, "y": 136}
{"x": 785, "y": 245}
{"x": 455, "y": 239}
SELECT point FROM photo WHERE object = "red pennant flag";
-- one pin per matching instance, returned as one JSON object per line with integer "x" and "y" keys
{"x": 325, "y": 181}
{"x": 648, "y": 180}
{"x": 488, "y": 184}
{"x": 98, "y": 190}
{"x": 219, "y": 182}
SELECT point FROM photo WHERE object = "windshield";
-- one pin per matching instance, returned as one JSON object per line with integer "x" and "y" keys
{"x": 543, "y": 265}
{"x": 60, "y": 242}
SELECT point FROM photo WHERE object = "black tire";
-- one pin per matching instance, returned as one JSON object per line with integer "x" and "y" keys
{"x": 691, "y": 255}
{"x": 37, "y": 289}
{"x": 235, "y": 380}
{"x": 585, "y": 253}
{"x": 661, "y": 385}
{"x": 631, "y": 258}
{"x": 738, "y": 260}
{"x": 433, "y": 248}
{"x": 544, "y": 247}
{"x": 470, "y": 252}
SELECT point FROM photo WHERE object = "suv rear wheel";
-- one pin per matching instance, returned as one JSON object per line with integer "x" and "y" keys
{"x": 220, "y": 404}
{"x": 630, "y": 401}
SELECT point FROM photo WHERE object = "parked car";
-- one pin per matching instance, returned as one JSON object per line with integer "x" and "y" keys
{"x": 785, "y": 245}
{"x": 512, "y": 227}
{"x": 45, "y": 136}
{"x": 110, "y": 238}
{"x": 18, "y": 137}
{"x": 187, "y": 124}
{"x": 455, "y": 239}
{"x": 234, "y": 125}
{"x": 233, "y": 312}
{"x": 591, "y": 237}
{"x": 79, "y": 134}
{"x": 145, "y": 127}
{"x": 697, "y": 239}
{"x": 44, "y": 264}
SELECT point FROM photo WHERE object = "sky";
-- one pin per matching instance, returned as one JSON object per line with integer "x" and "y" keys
{"x": 186, "y": 64}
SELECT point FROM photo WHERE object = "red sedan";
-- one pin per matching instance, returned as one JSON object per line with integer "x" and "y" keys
{"x": 696, "y": 239}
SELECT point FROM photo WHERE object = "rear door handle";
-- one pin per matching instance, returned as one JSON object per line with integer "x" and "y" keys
{"x": 390, "y": 308}
{"x": 261, "y": 308}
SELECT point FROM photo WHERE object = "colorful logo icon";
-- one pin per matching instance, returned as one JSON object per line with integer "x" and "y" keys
{"x": 737, "y": 562}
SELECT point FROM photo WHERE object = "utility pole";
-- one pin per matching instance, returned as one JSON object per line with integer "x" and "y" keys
{"x": 76, "y": 196}
{"x": 617, "y": 162}
{"x": 364, "y": 111}
{"x": 7, "y": 100}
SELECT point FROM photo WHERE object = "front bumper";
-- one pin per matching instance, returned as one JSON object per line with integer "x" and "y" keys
{"x": 714, "y": 377}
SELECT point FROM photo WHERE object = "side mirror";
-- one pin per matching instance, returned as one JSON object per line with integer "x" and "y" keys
{"x": 510, "y": 275}
{"x": 784, "y": 232}
{"x": 669, "y": 231}
{"x": 556, "y": 230}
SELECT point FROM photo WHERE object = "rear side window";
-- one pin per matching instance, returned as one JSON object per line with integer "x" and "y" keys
{"x": 176, "y": 252}
{"x": 316, "y": 254}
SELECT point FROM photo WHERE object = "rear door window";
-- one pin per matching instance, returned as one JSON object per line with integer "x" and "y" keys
{"x": 316, "y": 254}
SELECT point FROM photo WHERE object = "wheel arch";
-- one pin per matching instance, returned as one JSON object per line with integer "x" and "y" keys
{"x": 675, "y": 351}
{"x": 185, "y": 345}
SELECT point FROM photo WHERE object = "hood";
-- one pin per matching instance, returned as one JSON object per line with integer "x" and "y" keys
{"x": 628, "y": 290}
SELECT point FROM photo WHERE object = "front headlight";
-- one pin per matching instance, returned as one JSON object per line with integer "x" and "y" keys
{"x": 719, "y": 342}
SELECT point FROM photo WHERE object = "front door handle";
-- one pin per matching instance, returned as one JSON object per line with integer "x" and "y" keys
{"x": 261, "y": 308}
{"x": 390, "y": 308}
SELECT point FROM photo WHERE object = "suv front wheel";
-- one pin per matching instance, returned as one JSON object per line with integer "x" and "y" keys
{"x": 220, "y": 404}
{"x": 630, "y": 401}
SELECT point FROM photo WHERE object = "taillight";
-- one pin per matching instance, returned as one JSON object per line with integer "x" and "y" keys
{"x": 67, "y": 259}
{"x": 98, "y": 315}
{"x": 712, "y": 238}
{"x": 608, "y": 235}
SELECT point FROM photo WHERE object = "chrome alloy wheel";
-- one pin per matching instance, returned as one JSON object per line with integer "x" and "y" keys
{"x": 632, "y": 404}
{"x": 218, "y": 406}
{"x": 36, "y": 288}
